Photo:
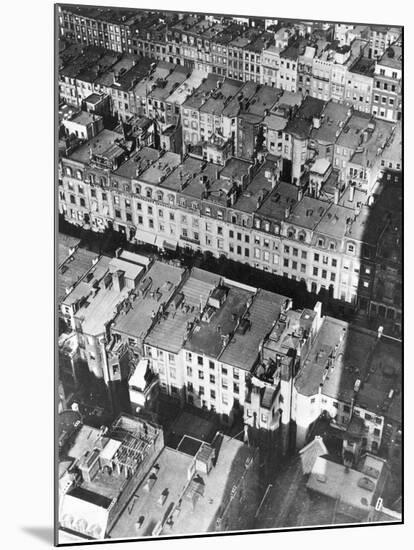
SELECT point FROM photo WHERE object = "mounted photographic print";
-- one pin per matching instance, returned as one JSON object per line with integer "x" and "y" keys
{"x": 229, "y": 195}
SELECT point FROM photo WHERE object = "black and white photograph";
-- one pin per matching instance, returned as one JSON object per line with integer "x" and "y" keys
{"x": 228, "y": 273}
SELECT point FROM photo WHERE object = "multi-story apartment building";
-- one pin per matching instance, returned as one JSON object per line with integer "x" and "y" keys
{"x": 387, "y": 93}
{"x": 253, "y": 56}
{"x": 359, "y": 85}
{"x": 270, "y": 65}
{"x": 380, "y": 38}
{"x": 344, "y": 376}
{"x": 110, "y": 28}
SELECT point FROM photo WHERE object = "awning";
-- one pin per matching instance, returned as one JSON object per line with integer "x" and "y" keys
{"x": 145, "y": 236}
{"x": 162, "y": 242}
{"x": 171, "y": 245}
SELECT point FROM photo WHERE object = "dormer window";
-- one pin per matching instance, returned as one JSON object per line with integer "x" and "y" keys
{"x": 68, "y": 171}
{"x": 148, "y": 192}
{"x": 79, "y": 174}
{"x": 138, "y": 189}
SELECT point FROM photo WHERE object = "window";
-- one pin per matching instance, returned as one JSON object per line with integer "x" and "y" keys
{"x": 173, "y": 372}
{"x": 211, "y": 365}
{"x": 224, "y": 371}
{"x": 316, "y": 257}
{"x": 212, "y": 394}
{"x": 351, "y": 248}
{"x": 304, "y": 255}
{"x": 189, "y": 372}
{"x": 315, "y": 271}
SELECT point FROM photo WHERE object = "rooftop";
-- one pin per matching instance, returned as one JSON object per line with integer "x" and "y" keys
{"x": 155, "y": 497}
{"x": 154, "y": 290}
{"x": 308, "y": 212}
{"x": 355, "y": 488}
{"x": 284, "y": 196}
{"x": 186, "y": 88}
{"x": 392, "y": 57}
{"x": 102, "y": 307}
{"x": 160, "y": 169}
{"x": 211, "y": 334}
{"x": 171, "y": 329}
{"x": 66, "y": 244}
{"x": 216, "y": 102}
{"x": 199, "y": 96}
{"x": 98, "y": 145}
{"x": 138, "y": 163}
{"x": 350, "y": 136}
{"x": 243, "y": 348}
{"x": 257, "y": 190}
{"x": 73, "y": 269}
{"x": 342, "y": 354}
{"x": 363, "y": 66}
{"x": 333, "y": 117}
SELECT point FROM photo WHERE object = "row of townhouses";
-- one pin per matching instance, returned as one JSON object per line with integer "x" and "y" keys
{"x": 357, "y": 64}
{"x": 237, "y": 350}
{"x": 319, "y": 205}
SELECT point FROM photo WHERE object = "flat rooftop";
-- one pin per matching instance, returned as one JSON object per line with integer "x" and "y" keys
{"x": 186, "y": 88}
{"x": 356, "y": 489}
{"x": 170, "y": 331}
{"x": 155, "y": 289}
{"x": 333, "y": 116}
{"x": 171, "y": 479}
{"x": 216, "y": 487}
{"x": 72, "y": 270}
{"x": 308, "y": 212}
{"x": 360, "y": 355}
{"x": 159, "y": 170}
{"x": 65, "y": 244}
{"x": 98, "y": 144}
{"x": 350, "y": 136}
{"x": 138, "y": 163}
{"x": 191, "y": 502}
{"x": 208, "y": 336}
{"x": 258, "y": 189}
{"x": 199, "y": 96}
{"x": 283, "y": 196}
{"x": 243, "y": 349}
{"x": 216, "y": 102}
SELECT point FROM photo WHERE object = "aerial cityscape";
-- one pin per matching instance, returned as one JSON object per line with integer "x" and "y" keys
{"x": 228, "y": 274}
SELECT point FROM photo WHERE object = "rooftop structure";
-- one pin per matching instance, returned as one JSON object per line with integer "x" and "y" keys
{"x": 243, "y": 348}
{"x": 66, "y": 246}
{"x": 73, "y": 269}
{"x": 107, "y": 465}
{"x": 103, "y": 305}
{"x": 342, "y": 354}
{"x": 219, "y": 320}
{"x": 152, "y": 294}
{"x": 172, "y": 328}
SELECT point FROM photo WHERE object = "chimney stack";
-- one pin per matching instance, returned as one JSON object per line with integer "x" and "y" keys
{"x": 351, "y": 192}
{"x": 118, "y": 280}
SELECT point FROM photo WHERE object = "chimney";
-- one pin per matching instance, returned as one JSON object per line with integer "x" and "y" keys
{"x": 300, "y": 194}
{"x": 351, "y": 193}
{"x": 118, "y": 280}
{"x": 336, "y": 196}
{"x": 316, "y": 122}
{"x": 287, "y": 212}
